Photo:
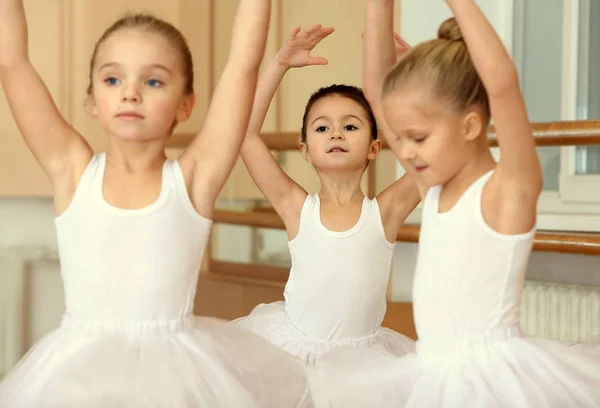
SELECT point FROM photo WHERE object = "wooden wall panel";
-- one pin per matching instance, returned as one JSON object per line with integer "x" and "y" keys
{"x": 344, "y": 51}
{"x": 20, "y": 175}
{"x": 62, "y": 36}
{"x": 230, "y": 300}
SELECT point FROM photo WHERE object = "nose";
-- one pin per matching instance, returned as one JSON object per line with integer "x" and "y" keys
{"x": 407, "y": 153}
{"x": 336, "y": 135}
{"x": 130, "y": 93}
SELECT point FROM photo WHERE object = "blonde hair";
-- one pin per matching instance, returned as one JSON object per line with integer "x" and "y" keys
{"x": 444, "y": 65}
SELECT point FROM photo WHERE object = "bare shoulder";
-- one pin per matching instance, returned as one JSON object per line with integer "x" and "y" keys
{"x": 509, "y": 206}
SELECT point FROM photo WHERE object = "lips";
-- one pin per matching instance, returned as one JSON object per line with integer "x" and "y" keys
{"x": 130, "y": 115}
{"x": 337, "y": 149}
{"x": 420, "y": 169}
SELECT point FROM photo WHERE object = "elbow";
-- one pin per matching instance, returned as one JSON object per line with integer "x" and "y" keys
{"x": 241, "y": 72}
{"x": 503, "y": 81}
{"x": 535, "y": 177}
{"x": 249, "y": 65}
{"x": 8, "y": 63}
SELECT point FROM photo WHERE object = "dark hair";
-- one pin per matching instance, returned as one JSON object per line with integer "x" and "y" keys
{"x": 152, "y": 24}
{"x": 344, "y": 91}
{"x": 445, "y": 66}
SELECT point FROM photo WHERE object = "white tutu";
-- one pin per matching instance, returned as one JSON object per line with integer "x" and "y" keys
{"x": 272, "y": 322}
{"x": 500, "y": 370}
{"x": 195, "y": 362}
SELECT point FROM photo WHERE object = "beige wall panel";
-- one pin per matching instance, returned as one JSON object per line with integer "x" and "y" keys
{"x": 62, "y": 35}
{"x": 20, "y": 175}
{"x": 240, "y": 184}
{"x": 343, "y": 49}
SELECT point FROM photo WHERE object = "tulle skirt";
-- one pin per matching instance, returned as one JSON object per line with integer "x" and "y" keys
{"x": 271, "y": 322}
{"x": 185, "y": 363}
{"x": 501, "y": 369}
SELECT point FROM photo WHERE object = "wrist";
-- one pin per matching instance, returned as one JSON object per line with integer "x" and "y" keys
{"x": 281, "y": 63}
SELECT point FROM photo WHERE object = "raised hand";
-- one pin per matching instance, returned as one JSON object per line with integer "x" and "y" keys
{"x": 296, "y": 50}
{"x": 400, "y": 46}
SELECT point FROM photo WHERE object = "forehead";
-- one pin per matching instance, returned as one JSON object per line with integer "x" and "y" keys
{"x": 335, "y": 106}
{"x": 137, "y": 47}
{"x": 406, "y": 108}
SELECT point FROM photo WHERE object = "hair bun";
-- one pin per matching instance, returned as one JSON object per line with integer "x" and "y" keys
{"x": 450, "y": 31}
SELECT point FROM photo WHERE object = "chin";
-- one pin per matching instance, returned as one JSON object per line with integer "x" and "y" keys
{"x": 430, "y": 180}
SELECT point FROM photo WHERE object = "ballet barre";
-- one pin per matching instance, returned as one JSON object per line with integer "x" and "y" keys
{"x": 545, "y": 241}
{"x": 568, "y": 133}
{"x": 565, "y": 133}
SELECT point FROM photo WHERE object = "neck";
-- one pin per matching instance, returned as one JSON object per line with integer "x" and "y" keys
{"x": 134, "y": 156}
{"x": 481, "y": 163}
{"x": 341, "y": 188}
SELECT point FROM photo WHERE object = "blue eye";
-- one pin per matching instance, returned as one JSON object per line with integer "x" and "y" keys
{"x": 350, "y": 128}
{"x": 321, "y": 129}
{"x": 154, "y": 83}
{"x": 111, "y": 81}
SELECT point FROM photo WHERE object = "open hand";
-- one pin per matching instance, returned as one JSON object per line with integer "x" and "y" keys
{"x": 400, "y": 46}
{"x": 296, "y": 50}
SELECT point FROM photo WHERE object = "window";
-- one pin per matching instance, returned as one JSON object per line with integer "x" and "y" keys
{"x": 580, "y": 174}
{"x": 555, "y": 49}
{"x": 557, "y": 53}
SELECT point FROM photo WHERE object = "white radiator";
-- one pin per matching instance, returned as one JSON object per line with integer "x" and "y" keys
{"x": 13, "y": 277}
{"x": 561, "y": 311}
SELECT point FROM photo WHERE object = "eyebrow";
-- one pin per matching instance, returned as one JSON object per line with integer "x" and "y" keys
{"x": 344, "y": 117}
{"x": 412, "y": 133}
{"x": 151, "y": 66}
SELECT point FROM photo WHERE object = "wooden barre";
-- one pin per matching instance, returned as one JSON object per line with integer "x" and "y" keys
{"x": 249, "y": 272}
{"x": 573, "y": 133}
{"x": 545, "y": 241}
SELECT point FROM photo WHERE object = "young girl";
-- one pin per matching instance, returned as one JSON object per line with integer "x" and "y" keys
{"x": 476, "y": 236}
{"x": 132, "y": 227}
{"x": 341, "y": 242}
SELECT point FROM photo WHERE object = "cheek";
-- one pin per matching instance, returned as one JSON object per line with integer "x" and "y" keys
{"x": 165, "y": 108}
{"x": 102, "y": 105}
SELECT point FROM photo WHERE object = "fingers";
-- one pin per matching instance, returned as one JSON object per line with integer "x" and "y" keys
{"x": 307, "y": 32}
{"x": 400, "y": 41}
{"x": 295, "y": 32}
{"x": 314, "y": 32}
{"x": 319, "y": 35}
{"x": 317, "y": 61}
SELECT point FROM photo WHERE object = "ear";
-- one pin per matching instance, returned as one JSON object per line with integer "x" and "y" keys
{"x": 185, "y": 108}
{"x": 472, "y": 125}
{"x": 303, "y": 147}
{"x": 374, "y": 149}
{"x": 90, "y": 105}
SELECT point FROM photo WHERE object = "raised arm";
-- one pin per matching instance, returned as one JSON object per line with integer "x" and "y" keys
{"x": 379, "y": 55}
{"x": 381, "y": 49}
{"x": 519, "y": 164}
{"x": 60, "y": 150}
{"x": 285, "y": 195}
{"x": 209, "y": 159}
